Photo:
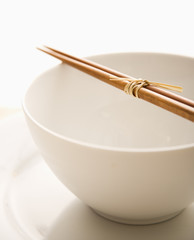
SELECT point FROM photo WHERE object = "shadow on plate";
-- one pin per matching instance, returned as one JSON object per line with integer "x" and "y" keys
{"x": 78, "y": 222}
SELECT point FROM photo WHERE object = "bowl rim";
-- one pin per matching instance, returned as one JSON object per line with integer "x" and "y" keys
{"x": 98, "y": 146}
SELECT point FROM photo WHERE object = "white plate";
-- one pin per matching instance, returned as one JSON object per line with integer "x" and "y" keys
{"x": 35, "y": 205}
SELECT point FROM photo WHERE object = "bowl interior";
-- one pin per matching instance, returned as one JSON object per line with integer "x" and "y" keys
{"x": 82, "y": 108}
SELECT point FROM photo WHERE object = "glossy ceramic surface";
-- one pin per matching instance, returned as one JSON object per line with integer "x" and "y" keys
{"x": 35, "y": 205}
{"x": 125, "y": 158}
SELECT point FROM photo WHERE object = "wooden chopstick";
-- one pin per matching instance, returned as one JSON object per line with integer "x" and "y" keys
{"x": 152, "y": 95}
{"x": 176, "y": 97}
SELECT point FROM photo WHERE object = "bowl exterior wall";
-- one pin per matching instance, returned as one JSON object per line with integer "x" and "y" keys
{"x": 124, "y": 184}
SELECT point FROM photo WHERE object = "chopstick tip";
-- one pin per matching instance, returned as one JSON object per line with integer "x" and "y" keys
{"x": 40, "y": 47}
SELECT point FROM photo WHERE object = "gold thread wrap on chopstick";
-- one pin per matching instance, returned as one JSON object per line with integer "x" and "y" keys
{"x": 133, "y": 86}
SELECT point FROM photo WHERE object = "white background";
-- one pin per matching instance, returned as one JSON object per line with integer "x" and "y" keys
{"x": 85, "y": 28}
{"x": 82, "y": 28}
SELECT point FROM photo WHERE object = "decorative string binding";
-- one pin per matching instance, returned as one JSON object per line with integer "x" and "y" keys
{"x": 133, "y": 86}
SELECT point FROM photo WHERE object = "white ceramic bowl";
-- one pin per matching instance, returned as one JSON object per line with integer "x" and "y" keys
{"x": 127, "y": 159}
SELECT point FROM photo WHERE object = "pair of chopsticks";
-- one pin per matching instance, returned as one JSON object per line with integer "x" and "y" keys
{"x": 174, "y": 103}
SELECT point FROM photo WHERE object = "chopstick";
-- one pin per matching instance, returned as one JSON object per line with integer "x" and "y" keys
{"x": 172, "y": 102}
{"x": 119, "y": 74}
